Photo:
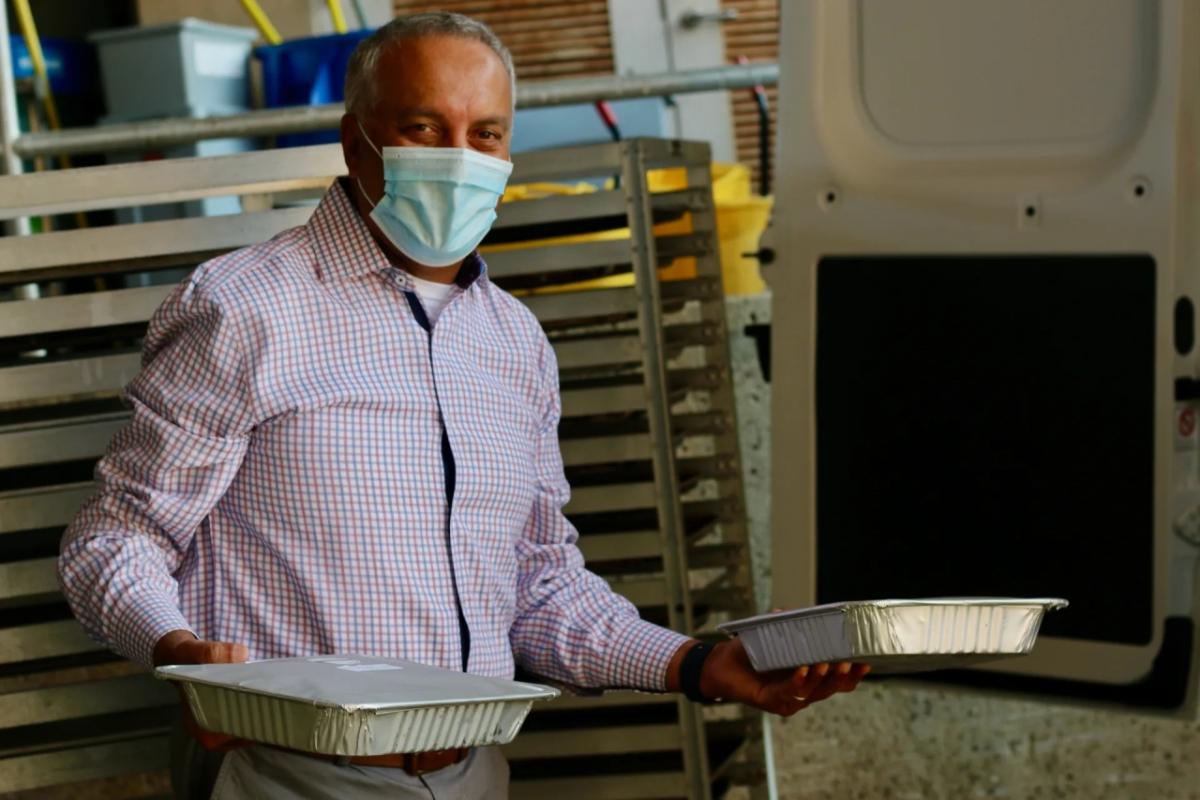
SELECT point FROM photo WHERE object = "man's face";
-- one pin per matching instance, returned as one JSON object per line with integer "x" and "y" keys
{"x": 434, "y": 91}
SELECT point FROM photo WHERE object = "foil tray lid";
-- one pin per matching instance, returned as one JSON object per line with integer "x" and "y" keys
{"x": 351, "y": 682}
{"x": 734, "y": 626}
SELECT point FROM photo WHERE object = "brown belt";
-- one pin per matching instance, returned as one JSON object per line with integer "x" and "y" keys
{"x": 412, "y": 763}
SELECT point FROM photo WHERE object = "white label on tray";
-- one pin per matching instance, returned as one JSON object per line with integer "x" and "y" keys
{"x": 369, "y": 667}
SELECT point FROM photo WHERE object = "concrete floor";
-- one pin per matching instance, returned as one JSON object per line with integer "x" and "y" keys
{"x": 903, "y": 742}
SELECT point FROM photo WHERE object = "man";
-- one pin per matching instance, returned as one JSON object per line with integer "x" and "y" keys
{"x": 344, "y": 440}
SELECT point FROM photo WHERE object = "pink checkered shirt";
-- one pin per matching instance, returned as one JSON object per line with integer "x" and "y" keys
{"x": 281, "y": 482}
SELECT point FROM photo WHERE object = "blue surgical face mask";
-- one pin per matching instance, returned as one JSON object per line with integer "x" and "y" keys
{"x": 438, "y": 202}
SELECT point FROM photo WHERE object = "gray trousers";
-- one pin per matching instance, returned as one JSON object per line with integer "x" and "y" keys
{"x": 263, "y": 772}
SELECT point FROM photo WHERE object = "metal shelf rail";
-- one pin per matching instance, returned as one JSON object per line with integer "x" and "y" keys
{"x": 648, "y": 436}
{"x": 160, "y": 133}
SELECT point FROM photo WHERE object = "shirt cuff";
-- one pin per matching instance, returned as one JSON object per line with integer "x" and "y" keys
{"x": 145, "y": 620}
{"x": 640, "y": 655}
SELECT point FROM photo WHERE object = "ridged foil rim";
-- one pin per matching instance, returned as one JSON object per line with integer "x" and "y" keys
{"x": 355, "y": 732}
{"x": 520, "y": 691}
{"x": 735, "y": 626}
{"x": 895, "y": 635}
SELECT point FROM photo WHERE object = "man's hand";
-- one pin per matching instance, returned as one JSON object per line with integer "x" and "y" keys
{"x": 728, "y": 675}
{"x": 182, "y": 647}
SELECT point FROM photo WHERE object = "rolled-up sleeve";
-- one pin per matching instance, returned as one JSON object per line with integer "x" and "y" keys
{"x": 160, "y": 477}
{"x": 570, "y": 626}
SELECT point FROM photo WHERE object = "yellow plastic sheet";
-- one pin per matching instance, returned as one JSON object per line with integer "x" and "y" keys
{"x": 741, "y": 219}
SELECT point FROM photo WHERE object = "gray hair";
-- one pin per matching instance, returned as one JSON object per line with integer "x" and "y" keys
{"x": 364, "y": 61}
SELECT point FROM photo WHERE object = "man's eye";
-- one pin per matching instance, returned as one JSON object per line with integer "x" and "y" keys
{"x": 488, "y": 134}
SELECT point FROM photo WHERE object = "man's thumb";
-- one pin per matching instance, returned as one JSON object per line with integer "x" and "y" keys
{"x": 219, "y": 652}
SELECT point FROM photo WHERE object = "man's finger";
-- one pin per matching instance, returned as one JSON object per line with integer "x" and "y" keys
{"x": 816, "y": 676}
{"x": 794, "y": 676}
{"x": 846, "y": 681}
{"x": 202, "y": 652}
{"x": 785, "y": 705}
{"x": 786, "y": 693}
{"x": 853, "y": 677}
{"x": 797, "y": 687}
{"x": 833, "y": 681}
{"x": 824, "y": 691}
{"x": 232, "y": 652}
{"x": 843, "y": 677}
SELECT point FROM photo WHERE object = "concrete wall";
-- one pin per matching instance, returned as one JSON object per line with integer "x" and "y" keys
{"x": 915, "y": 742}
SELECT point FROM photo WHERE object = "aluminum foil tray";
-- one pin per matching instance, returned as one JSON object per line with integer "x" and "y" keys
{"x": 354, "y": 705}
{"x": 895, "y": 635}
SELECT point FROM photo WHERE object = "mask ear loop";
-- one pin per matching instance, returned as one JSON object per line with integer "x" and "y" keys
{"x": 358, "y": 181}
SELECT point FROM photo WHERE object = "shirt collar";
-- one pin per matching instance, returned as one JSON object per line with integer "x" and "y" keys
{"x": 345, "y": 248}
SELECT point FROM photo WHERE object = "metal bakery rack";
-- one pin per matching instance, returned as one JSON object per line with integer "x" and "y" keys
{"x": 649, "y": 440}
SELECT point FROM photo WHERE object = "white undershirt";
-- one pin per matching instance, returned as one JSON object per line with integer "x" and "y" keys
{"x": 434, "y": 296}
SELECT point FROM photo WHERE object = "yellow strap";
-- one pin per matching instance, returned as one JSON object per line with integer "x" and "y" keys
{"x": 34, "y": 46}
{"x": 262, "y": 21}
{"x": 335, "y": 11}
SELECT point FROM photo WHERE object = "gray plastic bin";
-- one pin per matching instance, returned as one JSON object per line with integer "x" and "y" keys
{"x": 189, "y": 68}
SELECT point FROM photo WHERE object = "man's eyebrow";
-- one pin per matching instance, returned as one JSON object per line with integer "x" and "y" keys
{"x": 419, "y": 111}
{"x": 502, "y": 122}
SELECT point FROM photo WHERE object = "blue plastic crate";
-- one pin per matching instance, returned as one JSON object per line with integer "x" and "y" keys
{"x": 70, "y": 65}
{"x": 307, "y": 72}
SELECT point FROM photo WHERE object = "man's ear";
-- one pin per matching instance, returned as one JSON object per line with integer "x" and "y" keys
{"x": 350, "y": 148}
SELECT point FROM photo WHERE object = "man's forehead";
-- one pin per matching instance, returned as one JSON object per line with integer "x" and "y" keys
{"x": 417, "y": 71}
{"x": 433, "y": 48}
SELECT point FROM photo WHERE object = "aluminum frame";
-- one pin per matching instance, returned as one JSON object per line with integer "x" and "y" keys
{"x": 158, "y": 134}
{"x": 670, "y": 511}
